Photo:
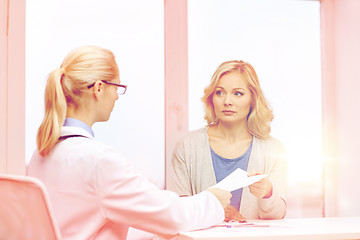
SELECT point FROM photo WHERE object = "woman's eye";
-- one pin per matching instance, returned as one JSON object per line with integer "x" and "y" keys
{"x": 219, "y": 93}
{"x": 238, "y": 94}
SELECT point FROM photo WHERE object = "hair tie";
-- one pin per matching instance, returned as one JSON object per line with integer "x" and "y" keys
{"x": 62, "y": 70}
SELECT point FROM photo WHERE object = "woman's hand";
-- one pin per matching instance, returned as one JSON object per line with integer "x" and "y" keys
{"x": 231, "y": 214}
{"x": 222, "y": 195}
{"x": 261, "y": 188}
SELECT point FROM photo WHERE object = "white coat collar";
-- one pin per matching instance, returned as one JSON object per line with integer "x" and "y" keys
{"x": 70, "y": 130}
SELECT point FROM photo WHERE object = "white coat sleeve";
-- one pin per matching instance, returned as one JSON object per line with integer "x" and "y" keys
{"x": 126, "y": 196}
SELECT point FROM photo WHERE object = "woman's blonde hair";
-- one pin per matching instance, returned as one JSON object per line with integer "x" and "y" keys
{"x": 260, "y": 115}
{"x": 65, "y": 85}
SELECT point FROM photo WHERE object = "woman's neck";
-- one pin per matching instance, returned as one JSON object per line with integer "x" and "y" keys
{"x": 230, "y": 132}
{"x": 82, "y": 115}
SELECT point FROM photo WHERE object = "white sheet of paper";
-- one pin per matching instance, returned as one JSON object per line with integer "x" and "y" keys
{"x": 237, "y": 179}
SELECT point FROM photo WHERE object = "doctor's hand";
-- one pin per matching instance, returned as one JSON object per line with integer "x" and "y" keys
{"x": 262, "y": 188}
{"x": 232, "y": 214}
{"x": 222, "y": 195}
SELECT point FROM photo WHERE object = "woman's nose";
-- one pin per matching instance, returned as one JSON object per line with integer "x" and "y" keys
{"x": 227, "y": 100}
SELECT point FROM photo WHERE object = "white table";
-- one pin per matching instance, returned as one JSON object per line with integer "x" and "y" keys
{"x": 289, "y": 229}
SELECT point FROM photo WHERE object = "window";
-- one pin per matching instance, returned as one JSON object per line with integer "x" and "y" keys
{"x": 281, "y": 40}
{"x": 54, "y": 27}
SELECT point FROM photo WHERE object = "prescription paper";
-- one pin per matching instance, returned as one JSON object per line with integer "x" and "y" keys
{"x": 237, "y": 179}
{"x": 233, "y": 224}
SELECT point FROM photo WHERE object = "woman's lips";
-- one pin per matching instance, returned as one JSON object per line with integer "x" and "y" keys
{"x": 228, "y": 112}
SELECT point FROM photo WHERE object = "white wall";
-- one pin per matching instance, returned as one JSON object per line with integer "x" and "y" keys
{"x": 133, "y": 30}
{"x": 341, "y": 49}
{"x": 348, "y": 100}
{"x": 281, "y": 40}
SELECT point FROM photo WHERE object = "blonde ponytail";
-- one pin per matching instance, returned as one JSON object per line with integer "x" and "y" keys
{"x": 55, "y": 113}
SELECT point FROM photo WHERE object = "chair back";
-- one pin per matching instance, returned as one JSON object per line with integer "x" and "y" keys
{"x": 25, "y": 210}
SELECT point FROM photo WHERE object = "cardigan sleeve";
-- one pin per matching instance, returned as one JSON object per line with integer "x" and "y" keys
{"x": 275, "y": 206}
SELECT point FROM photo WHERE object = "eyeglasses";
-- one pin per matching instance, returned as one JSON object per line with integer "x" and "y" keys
{"x": 121, "y": 89}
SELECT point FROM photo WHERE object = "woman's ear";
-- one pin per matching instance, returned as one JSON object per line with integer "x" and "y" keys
{"x": 98, "y": 88}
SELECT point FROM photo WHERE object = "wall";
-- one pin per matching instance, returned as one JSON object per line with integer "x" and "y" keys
{"x": 176, "y": 74}
{"x": 341, "y": 78}
{"x": 12, "y": 90}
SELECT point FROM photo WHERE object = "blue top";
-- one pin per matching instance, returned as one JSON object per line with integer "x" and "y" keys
{"x": 72, "y": 122}
{"x": 224, "y": 166}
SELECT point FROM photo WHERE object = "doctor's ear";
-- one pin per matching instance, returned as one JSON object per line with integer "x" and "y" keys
{"x": 98, "y": 86}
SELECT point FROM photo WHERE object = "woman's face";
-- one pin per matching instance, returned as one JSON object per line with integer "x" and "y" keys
{"x": 232, "y": 99}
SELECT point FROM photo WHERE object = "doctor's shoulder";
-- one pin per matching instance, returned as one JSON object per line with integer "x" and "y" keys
{"x": 94, "y": 150}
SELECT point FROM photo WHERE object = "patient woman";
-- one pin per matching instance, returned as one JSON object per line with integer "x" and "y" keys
{"x": 237, "y": 136}
{"x": 94, "y": 191}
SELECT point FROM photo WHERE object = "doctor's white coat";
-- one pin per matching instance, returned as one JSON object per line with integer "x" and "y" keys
{"x": 96, "y": 194}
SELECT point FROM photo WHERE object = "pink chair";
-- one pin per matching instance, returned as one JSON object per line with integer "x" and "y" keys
{"x": 25, "y": 210}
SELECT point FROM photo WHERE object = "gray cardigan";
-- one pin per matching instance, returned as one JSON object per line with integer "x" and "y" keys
{"x": 191, "y": 171}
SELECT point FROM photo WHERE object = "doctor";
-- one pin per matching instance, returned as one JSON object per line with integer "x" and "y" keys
{"x": 96, "y": 193}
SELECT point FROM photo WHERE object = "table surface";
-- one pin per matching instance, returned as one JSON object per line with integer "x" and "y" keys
{"x": 291, "y": 228}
